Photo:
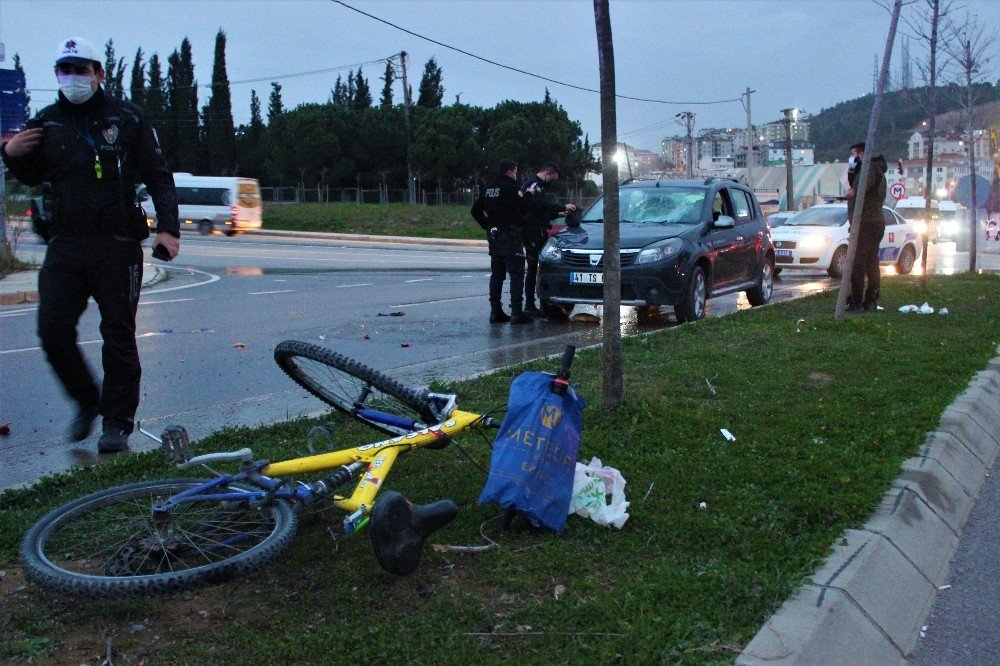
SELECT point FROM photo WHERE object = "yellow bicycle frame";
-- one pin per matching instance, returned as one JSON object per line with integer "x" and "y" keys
{"x": 379, "y": 456}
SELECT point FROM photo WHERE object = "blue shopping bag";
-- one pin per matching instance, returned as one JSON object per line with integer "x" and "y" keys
{"x": 534, "y": 454}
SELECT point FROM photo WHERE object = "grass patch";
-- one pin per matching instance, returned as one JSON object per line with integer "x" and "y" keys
{"x": 445, "y": 221}
{"x": 823, "y": 419}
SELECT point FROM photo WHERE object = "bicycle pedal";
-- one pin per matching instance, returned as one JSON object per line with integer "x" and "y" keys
{"x": 176, "y": 444}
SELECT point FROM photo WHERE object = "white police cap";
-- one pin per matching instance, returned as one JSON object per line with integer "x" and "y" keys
{"x": 78, "y": 51}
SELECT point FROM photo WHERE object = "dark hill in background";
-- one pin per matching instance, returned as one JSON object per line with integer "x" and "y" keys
{"x": 833, "y": 130}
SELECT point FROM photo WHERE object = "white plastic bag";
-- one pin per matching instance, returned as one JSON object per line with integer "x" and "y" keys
{"x": 592, "y": 485}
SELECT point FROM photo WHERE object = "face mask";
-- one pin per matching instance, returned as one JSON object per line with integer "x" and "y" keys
{"x": 852, "y": 161}
{"x": 77, "y": 89}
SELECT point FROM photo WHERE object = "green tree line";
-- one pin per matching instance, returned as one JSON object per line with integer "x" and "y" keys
{"x": 350, "y": 139}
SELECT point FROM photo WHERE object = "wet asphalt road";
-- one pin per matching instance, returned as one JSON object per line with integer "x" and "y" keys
{"x": 206, "y": 336}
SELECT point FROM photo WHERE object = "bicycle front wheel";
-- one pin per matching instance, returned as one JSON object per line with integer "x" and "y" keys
{"x": 109, "y": 545}
{"x": 353, "y": 387}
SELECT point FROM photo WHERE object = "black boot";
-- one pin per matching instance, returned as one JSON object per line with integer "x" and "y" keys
{"x": 517, "y": 316}
{"x": 531, "y": 310}
{"x": 498, "y": 316}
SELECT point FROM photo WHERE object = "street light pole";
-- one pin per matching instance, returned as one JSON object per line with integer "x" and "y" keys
{"x": 789, "y": 190}
{"x": 750, "y": 138}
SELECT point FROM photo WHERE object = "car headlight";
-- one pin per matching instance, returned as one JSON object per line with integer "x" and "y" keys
{"x": 550, "y": 252}
{"x": 660, "y": 251}
{"x": 813, "y": 241}
{"x": 920, "y": 226}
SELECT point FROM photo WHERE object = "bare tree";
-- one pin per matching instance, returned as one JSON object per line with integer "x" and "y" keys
{"x": 862, "y": 186}
{"x": 926, "y": 25}
{"x": 611, "y": 319}
{"x": 970, "y": 45}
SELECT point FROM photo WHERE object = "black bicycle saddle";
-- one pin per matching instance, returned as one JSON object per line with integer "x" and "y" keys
{"x": 399, "y": 529}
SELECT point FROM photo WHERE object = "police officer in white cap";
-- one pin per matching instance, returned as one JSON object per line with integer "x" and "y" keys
{"x": 91, "y": 151}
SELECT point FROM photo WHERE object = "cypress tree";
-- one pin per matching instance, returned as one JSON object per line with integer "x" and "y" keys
{"x": 431, "y": 88}
{"x": 27, "y": 97}
{"x": 362, "y": 93}
{"x": 219, "y": 125}
{"x": 137, "y": 88}
{"x": 114, "y": 72}
{"x": 182, "y": 109}
{"x": 274, "y": 106}
{"x": 385, "y": 103}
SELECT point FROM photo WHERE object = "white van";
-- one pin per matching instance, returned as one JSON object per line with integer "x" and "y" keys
{"x": 229, "y": 204}
{"x": 914, "y": 210}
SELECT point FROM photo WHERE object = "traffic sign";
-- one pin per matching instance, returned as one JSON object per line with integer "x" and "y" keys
{"x": 897, "y": 191}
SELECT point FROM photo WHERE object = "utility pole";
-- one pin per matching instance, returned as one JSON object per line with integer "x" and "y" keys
{"x": 411, "y": 191}
{"x": 687, "y": 119}
{"x": 751, "y": 135}
{"x": 790, "y": 115}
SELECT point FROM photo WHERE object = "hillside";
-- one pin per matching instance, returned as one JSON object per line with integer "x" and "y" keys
{"x": 833, "y": 130}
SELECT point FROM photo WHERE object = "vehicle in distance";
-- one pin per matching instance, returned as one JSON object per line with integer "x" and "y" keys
{"x": 817, "y": 238}
{"x": 229, "y": 204}
{"x": 682, "y": 242}
{"x": 779, "y": 218}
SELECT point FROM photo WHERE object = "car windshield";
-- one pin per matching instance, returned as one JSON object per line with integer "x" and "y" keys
{"x": 819, "y": 217}
{"x": 653, "y": 205}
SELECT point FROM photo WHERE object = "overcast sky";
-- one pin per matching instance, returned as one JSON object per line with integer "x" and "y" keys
{"x": 808, "y": 54}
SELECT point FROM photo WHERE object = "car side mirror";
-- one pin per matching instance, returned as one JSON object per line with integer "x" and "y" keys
{"x": 724, "y": 222}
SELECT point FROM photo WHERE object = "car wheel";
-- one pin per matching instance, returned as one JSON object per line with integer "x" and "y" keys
{"x": 761, "y": 294}
{"x": 229, "y": 232}
{"x": 205, "y": 227}
{"x": 692, "y": 306}
{"x": 838, "y": 265}
{"x": 553, "y": 310}
{"x": 906, "y": 260}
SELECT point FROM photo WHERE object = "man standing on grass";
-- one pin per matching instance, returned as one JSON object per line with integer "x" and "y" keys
{"x": 872, "y": 194}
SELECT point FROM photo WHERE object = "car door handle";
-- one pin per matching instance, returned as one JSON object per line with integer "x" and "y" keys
{"x": 740, "y": 239}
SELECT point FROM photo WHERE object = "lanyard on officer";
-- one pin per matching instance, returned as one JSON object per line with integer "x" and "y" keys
{"x": 85, "y": 135}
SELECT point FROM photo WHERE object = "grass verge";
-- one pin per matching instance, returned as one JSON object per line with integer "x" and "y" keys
{"x": 445, "y": 221}
{"x": 822, "y": 419}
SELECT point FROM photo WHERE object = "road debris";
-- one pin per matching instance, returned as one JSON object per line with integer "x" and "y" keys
{"x": 391, "y": 314}
{"x": 239, "y": 345}
{"x": 404, "y": 344}
{"x": 4, "y": 428}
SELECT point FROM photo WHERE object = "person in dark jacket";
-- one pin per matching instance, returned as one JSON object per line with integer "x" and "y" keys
{"x": 872, "y": 196}
{"x": 92, "y": 151}
{"x": 499, "y": 210}
{"x": 542, "y": 209}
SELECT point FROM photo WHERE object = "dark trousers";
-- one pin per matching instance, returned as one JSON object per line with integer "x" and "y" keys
{"x": 109, "y": 270}
{"x": 533, "y": 244}
{"x": 865, "y": 266}
{"x": 500, "y": 267}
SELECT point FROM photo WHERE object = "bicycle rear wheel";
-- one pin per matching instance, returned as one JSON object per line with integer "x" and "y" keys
{"x": 353, "y": 387}
{"x": 106, "y": 545}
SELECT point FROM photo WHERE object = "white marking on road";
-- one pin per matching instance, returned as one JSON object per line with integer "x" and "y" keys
{"x": 173, "y": 300}
{"x": 443, "y": 300}
{"x": 20, "y": 313}
{"x": 360, "y": 284}
{"x": 150, "y": 334}
{"x": 212, "y": 278}
{"x": 419, "y": 280}
{"x": 276, "y": 291}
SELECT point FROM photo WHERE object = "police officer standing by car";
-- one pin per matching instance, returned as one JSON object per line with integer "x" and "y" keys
{"x": 872, "y": 197}
{"x": 541, "y": 209}
{"x": 499, "y": 210}
{"x": 92, "y": 150}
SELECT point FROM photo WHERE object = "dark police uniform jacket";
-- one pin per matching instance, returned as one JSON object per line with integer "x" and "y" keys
{"x": 500, "y": 211}
{"x": 93, "y": 155}
{"x": 872, "y": 197}
{"x": 541, "y": 208}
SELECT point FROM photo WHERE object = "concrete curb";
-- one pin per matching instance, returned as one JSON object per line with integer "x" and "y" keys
{"x": 151, "y": 274}
{"x": 867, "y": 602}
{"x": 369, "y": 238}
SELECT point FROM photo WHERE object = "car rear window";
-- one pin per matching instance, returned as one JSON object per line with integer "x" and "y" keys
{"x": 819, "y": 217}
{"x": 649, "y": 205}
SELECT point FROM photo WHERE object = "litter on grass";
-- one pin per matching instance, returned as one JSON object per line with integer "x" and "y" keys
{"x": 730, "y": 437}
{"x": 923, "y": 309}
{"x": 599, "y": 493}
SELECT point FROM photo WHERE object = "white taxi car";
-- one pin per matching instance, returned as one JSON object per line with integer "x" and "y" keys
{"x": 816, "y": 239}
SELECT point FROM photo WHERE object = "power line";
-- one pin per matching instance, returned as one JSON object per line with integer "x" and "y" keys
{"x": 521, "y": 71}
{"x": 278, "y": 77}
